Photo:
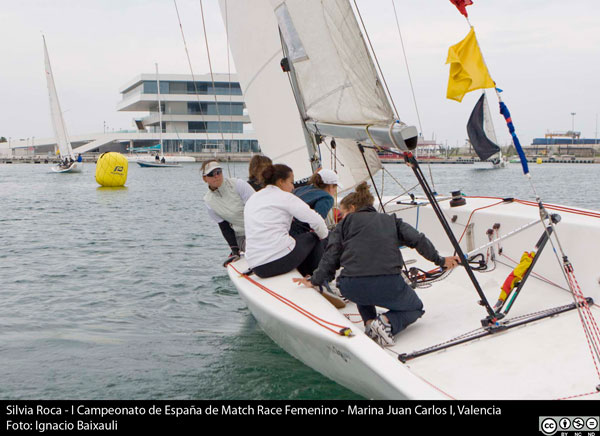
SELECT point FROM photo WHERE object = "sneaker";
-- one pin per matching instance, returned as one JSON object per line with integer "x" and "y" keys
{"x": 381, "y": 332}
{"x": 370, "y": 333}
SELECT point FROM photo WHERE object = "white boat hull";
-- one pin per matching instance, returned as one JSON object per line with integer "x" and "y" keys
{"x": 151, "y": 158}
{"x": 545, "y": 359}
{"x": 148, "y": 164}
{"x": 355, "y": 362}
{"x": 76, "y": 167}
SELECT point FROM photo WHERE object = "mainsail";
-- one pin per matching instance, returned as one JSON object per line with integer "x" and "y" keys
{"x": 58, "y": 123}
{"x": 332, "y": 91}
{"x": 481, "y": 131}
{"x": 256, "y": 49}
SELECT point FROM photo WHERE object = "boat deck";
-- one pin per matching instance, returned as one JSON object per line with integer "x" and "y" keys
{"x": 510, "y": 364}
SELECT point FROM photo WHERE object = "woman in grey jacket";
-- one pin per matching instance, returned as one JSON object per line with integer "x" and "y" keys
{"x": 366, "y": 244}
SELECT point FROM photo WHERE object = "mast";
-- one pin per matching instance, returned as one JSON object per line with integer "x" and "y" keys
{"x": 311, "y": 145}
{"x": 159, "y": 112}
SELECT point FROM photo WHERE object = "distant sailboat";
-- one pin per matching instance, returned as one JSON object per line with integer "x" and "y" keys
{"x": 68, "y": 162}
{"x": 482, "y": 136}
{"x": 160, "y": 161}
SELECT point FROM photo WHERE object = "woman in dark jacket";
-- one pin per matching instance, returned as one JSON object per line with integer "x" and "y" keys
{"x": 366, "y": 244}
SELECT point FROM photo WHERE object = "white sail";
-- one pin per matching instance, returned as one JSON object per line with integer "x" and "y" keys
{"x": 488, "y": 125}
{"x": 58, "y": 123}
{"x": 256, "y": 49}
{"x": 336, "y": 81}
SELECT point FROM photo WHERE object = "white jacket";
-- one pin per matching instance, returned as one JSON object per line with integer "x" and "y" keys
{"x": 227, "y": 203}
{"x": 268, "y": 216}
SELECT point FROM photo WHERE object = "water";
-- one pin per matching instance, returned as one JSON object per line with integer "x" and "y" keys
{"x": 120, "y": 293}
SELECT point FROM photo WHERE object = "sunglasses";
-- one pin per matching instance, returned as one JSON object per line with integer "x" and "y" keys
{"x": 214, "y": 173}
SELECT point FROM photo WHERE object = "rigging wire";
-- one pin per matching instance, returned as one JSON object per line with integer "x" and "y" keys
{"x": 377, "y": 62}
{"x": 412, "y": 88}
{"x": 383, "y": 76}
{"x": 212, "y": 78}
{"x": 229, "y": 78}
{"x": 187, "y": 53}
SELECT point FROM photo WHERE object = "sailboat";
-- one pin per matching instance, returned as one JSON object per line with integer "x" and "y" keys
{"x": 68, "y": 164}
{"x": 329, "y": 108}
{"x": 160, "y": 161}
{"x": 482, "y": 136}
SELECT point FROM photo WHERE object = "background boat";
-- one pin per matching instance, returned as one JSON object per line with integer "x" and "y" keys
{"x": 58, "y": 123}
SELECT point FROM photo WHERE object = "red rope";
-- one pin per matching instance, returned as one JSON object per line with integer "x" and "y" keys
{"x": 592, "y": 333}
{"x": 471, "y": 216}
{"x": 547, "y": 206}
{"x": 578, "y": 396}
{"x": 294, "y": 306}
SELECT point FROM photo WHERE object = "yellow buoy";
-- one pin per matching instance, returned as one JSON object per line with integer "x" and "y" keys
{"x": 539, "y": 160}
{"x": 111, "y": 169}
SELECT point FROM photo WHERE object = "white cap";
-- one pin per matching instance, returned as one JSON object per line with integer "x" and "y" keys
{"x": 210, "y": 167}
{"x": 329, "y": 177}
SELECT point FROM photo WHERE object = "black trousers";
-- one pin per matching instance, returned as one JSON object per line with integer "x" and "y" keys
{"x": 305, "y": 256}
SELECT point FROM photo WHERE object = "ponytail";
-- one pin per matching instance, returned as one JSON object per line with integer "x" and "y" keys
{"x": 272, "y": 173}
{"x": 360, "y": 198}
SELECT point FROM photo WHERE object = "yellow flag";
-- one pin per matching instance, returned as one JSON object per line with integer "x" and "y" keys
{"x": 467, "y": 69}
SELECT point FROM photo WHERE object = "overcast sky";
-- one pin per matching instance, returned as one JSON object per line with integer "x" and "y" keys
{"x": 544, "y": 54}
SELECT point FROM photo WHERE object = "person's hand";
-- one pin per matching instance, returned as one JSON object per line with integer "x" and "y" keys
{"x": 451, "y": 262}
{"x": 303, "y": 281}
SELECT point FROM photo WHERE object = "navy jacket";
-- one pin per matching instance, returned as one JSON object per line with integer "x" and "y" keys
{"x": 367, "y": 243}
{"x": 318, "y": 200}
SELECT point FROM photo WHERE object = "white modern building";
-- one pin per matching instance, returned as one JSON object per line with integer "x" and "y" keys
{"x": 200, "y": 115}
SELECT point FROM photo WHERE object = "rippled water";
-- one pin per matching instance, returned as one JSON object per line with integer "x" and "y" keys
{"x": 119, "y": 293}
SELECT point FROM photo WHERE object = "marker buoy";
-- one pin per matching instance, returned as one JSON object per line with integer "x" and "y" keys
{"x": 111, "y": 169}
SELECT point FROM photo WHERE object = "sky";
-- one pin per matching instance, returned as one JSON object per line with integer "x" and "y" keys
{"x": 543, "y": 54}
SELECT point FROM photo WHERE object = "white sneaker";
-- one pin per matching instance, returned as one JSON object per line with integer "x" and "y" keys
{"x": 381, "y": 332}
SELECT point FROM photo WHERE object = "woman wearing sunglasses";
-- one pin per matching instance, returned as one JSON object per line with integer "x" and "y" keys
{"x": 225, "y": 201}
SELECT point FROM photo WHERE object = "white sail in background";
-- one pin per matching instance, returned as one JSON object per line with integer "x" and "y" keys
{"x": 488, "y": 125}
{"x": 58, "y": 123}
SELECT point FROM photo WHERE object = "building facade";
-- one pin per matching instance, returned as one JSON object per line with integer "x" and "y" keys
{"x": 200, "y": 115}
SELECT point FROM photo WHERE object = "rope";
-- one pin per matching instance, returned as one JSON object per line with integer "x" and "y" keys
{"x": 547, "y": 206}
{"x": 471, "y": 216}
{"x": 344, "y": 331}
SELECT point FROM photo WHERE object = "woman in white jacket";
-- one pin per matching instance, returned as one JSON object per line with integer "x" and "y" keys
{"x": 268, "y": 215}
